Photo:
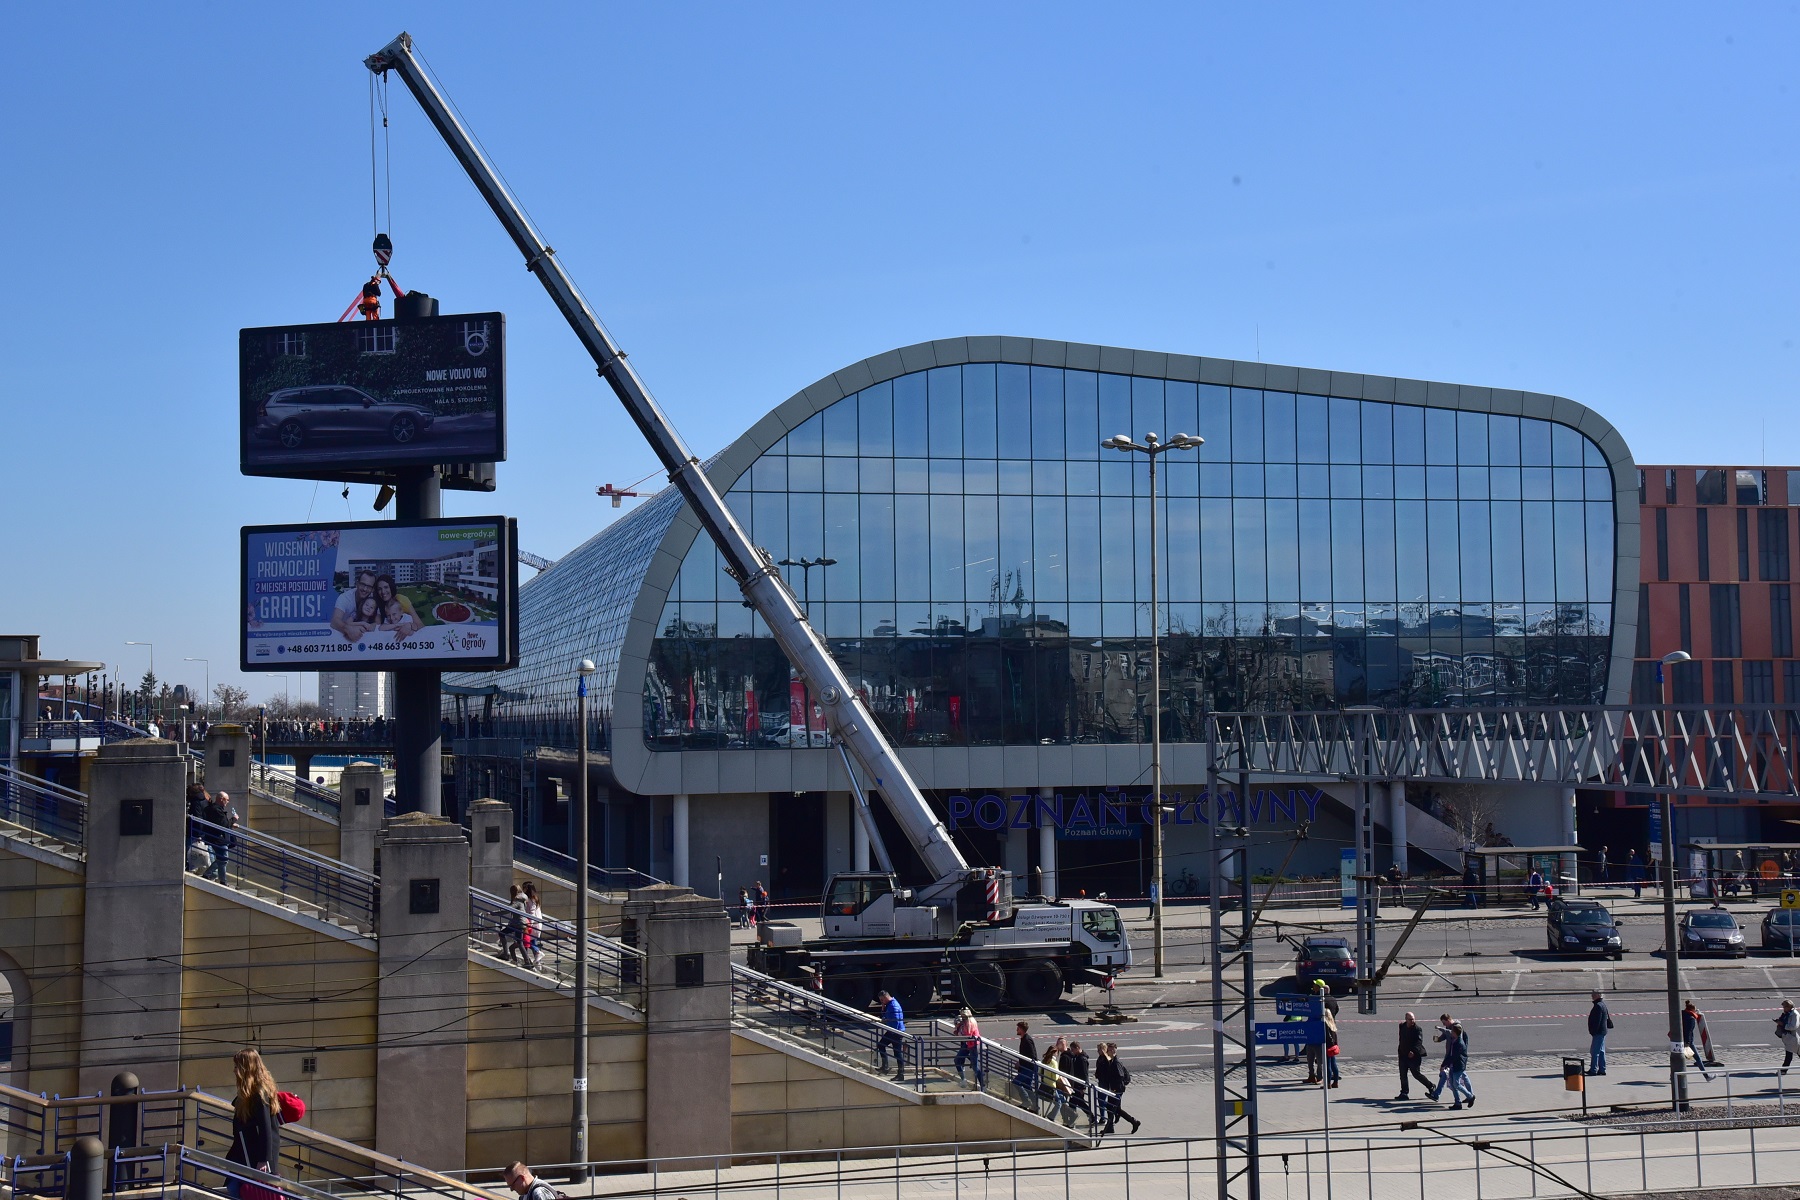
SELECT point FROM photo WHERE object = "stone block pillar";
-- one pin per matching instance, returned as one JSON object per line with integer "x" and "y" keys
{"x": 491, "y": 843}
{"x": 228, "y": 762}
{"x": 1047, "y": 859}
{"x": 1570, "y": 866}
{"x": 362, "y": 803}
{"x": 132, "y": 920}
{"x": 686, "y": 941}
{"x": 421, "y": 1066}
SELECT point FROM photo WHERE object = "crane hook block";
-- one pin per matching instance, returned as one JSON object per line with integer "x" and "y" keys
{"x": 384, "y": 250}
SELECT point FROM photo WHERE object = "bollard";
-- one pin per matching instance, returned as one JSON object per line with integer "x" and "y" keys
{"x": 87, "y": 1170}
{"x": 123, "y": 1123}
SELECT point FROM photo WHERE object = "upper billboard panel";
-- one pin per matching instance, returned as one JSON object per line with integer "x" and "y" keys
{"x": 318, "y": 400}
{"x": 379, "y": 594}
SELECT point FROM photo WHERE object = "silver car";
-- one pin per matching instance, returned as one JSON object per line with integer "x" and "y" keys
{"x": 293, "y": 416}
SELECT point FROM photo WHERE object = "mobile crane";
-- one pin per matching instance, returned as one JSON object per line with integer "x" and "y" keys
{"x": 961, "y": 935}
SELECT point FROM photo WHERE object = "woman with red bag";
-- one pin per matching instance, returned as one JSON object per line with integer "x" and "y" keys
{"x": 255, "y": 1126}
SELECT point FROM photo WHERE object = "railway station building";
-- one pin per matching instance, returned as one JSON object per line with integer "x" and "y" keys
{"x": 981, "y": 568}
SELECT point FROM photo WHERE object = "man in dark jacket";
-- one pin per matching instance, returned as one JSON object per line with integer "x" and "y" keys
{"x": 1074, "y": 1064}
{"x": 218, "y": 819}
{"x": 1025, "y": 1079}
{"x": 1599, "y": 1021}
{"x": 1114, "y": 1076}
{"x": 1412, "y": 1053}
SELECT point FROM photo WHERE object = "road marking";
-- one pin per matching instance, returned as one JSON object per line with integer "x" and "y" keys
{"x": 1517, "y": 975}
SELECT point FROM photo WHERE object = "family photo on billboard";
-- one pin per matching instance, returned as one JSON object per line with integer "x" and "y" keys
{"x": 371, "y": 395}
{"x": 380, "y": 592}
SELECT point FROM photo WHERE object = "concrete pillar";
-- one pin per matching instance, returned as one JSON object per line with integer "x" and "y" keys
{"x": 362, "y": 803}
{"x": 1570, "y": 866}
{"x": 422, "y": 1059}
{"x": 686, "y": 942}
{"x": 1397, "y": 822}
{"x": 1015, "y": 850}
{"x": 678, "y": 857}
{"x": 228, "y": 760}
{"x": 303, "y": 766}
{"x": 1047, "y": 859}
{"x": 132, "y": 918}
{"x": 491, "y": 847}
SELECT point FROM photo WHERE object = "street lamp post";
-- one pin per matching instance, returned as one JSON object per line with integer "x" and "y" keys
{"x": 207, "y": 698}
{"x": 1671, "y": 950}
{"x": 578, "y": 1118}
{"x": 1152, "y": 449}
{"x": 806, "y": 565}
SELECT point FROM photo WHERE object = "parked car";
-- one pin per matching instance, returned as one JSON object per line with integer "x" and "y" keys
{"x": 293, "y": 416}
{"x": 1780, "y": 927}
{"x": 1582, "y": 927}
{"x": 1327, "y": 958}
{"x": 1711, "y": 931}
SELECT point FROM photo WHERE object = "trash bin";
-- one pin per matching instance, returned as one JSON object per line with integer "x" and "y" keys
{"x": 1574, "y": 1075}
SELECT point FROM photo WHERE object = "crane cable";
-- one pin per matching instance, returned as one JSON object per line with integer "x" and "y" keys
{"x": 368, "y": 297}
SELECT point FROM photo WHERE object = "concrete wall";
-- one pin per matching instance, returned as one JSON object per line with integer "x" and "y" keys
{"x": 290, "y": 988}
{"x": 292, "y": 824}
{"x": 41, "y": 918}
{"x": 519, "y": 1102}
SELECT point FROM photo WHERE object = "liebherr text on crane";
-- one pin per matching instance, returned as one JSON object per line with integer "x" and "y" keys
{"x": 962, "y": 935}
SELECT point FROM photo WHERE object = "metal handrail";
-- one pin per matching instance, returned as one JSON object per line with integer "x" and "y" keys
{"x": 547, "y": 946}
{"x": 600, "y": 879}
{"x": 261, "y": 861}
{"x": 43, "y": 807}
{"x": 863, "y": 1040}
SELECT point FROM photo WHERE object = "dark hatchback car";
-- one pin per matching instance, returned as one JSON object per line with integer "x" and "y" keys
{"x": 1712, "y": 931}
{"x": 1327, "y": 958}
{"x": 1781, "y": 930}
{"x": 1582, "y": 927}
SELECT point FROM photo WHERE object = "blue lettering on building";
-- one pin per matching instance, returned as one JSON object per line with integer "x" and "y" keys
{"x": 1121, "y": 815}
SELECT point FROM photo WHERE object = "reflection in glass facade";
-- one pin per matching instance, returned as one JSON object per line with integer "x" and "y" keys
{"x": 991, "y": 583}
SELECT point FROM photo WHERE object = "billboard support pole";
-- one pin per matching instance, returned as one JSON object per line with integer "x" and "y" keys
{"x": 418, "y": 736}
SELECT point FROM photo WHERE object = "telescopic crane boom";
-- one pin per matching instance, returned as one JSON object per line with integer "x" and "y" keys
{"x": 749, "y": 565}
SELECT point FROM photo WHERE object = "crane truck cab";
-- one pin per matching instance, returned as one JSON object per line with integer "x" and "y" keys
{"x": 961, "y": 939}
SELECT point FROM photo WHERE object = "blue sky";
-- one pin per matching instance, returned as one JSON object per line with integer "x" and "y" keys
{"x": 1593, "y": 201}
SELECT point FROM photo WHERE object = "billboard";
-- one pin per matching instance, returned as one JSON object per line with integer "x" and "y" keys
{"x": 378, "y": 594}
{"x": 319, "y": 400}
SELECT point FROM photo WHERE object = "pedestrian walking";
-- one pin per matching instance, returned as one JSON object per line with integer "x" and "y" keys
{"x": 759, "y": 899}
{"x": 1696, "y": 1036}
{"x": 1075, "y": 1066}
{"x": 1331, "y": 1047}
{"x": 1025, "y": 1079}
{"x": 1442, "y": 1035}
{"x": 1634, "y": 874}
{"x": 1111, "y": 1073}
{"x": 255, "y": 1119}
{"x": 1599, "y": 1020}
{"x": 1534, "y": 888}
{"x": 895, "y": 1038}
{"x": 216, "y": 830}
{"x": 512, "y": 933}
{"x": 1456, "y": 1061}
{"x": 743, "y": 921}
{"x": 534, "y": 927}
{"x": 1787, "y": 1032}
{"x": 1602, "y": 870}
{"x": 526, "y": 1185}
{"x": 1053, "y": 1085}
{"x": 1412, "y": 1055}
{"x": 968, "y": 1047}
{"x": 1396, "y": 881}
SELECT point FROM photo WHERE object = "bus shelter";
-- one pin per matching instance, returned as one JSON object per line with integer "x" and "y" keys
{"x": 1724, "y": 870}
{"x": 1485, "y": 871}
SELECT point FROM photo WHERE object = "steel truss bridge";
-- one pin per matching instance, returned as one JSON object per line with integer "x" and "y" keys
{"x": 1741, "y": 753}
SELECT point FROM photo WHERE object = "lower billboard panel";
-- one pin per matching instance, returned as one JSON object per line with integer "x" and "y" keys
{"x": 375, "y": 595}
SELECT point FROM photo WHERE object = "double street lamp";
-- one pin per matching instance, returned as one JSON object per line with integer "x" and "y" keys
{"x": 806, "y": 565}
{"x": 1152, "y": 448}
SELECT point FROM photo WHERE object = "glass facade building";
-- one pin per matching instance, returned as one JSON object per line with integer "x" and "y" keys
{"x": 1338, "y": 540}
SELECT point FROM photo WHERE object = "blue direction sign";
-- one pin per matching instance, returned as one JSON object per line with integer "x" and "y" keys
{"x": 1293, "y": 1033}
{"x": 1299, "y": 1006}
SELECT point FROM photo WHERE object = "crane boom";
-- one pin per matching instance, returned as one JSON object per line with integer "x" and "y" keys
{"x": 762, "y": 585}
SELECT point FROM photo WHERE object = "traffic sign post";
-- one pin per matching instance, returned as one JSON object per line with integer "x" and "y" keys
{"x": 1790, "y": 899}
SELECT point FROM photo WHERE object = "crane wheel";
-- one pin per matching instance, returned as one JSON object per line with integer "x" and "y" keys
{"x": 1034, "y": 984}
{"x": 850, "y": 990}
{"x": 911, "y": 988}
{"x": 981, "y": 985}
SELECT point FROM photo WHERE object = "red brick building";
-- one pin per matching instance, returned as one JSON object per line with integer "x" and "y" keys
{"x": 1717, "y": 567}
